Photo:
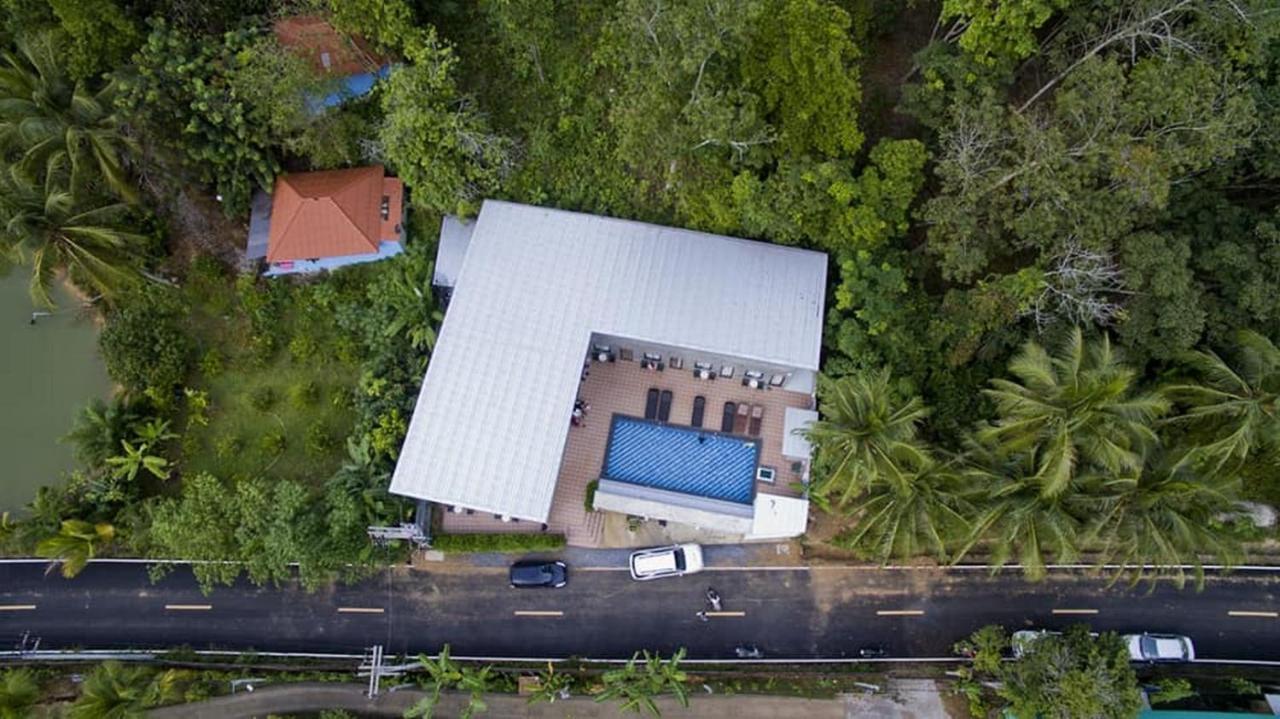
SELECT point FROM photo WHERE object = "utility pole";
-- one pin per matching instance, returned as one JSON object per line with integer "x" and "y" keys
{"x": 375, "y": 670}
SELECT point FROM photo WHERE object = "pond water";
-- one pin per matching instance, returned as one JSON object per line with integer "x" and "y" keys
{"x": 48, "y": 371}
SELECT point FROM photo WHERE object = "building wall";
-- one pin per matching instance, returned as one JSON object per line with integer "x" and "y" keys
{"x": 385, "y": 249}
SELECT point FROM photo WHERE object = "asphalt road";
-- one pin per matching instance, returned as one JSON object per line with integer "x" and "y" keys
{"x": 789, "y": 613}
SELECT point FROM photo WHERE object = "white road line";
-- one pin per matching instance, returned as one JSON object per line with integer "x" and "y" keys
{"x": 188, "y": 607}
{"x": 899, "y": 612}
{"x": 16, "y": 607}
{"x": 1075, "y": 611}
{"x": 360, "y": 610}
{"x": 726, "y": 614}
{"x": 1245, "y": 613}
{"x": 537, "y": 613}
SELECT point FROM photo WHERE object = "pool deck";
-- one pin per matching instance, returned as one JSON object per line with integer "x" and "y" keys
{"x": 620, "y": 388}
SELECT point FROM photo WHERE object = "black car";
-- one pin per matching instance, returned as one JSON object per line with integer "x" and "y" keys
{"x": 539, "y": 573}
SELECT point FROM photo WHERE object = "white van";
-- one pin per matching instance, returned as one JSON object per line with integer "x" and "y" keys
{"x": 673, "y": 561}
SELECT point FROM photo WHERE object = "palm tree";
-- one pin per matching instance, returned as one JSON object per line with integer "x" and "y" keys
{"x": 928, "y": 515}
{"x": 867, "y": 435}
{"x": 127, "y": 465}
{"x": 48, "y": 228}
{"x": 446, "y": 673}
{"x": 635, "y": 686}
{"x": 1019, "y": 519}
{"x": 100, "y": 428}
{"x": 1237, "y": 409}
{"x": 58, "y": 130}
{"x": 75, "y": 544}
{"x": 1155, "y": 522}
{"x": 1077, "y": 406}
{"x": 19, "y": 692}
{"x": 116, "y": 691}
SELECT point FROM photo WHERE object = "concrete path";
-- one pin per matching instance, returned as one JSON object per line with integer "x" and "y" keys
{"x": 904, "y": 700}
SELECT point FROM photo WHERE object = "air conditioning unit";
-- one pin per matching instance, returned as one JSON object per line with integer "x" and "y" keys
{"x": 704, "y": 374}
{"x": 766, "y": 474}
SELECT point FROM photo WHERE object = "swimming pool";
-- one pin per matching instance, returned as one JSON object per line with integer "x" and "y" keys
{"x": 681, "y": 459}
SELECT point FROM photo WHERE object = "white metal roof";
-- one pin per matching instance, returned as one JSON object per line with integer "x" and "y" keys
{"x": 493, "y": 413}
{"x": 451, "y": 250}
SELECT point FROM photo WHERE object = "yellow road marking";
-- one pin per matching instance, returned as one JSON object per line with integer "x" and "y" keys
{"x": 726, "y": 614}
{"x": 360, "y": 610}
{"x": 189, "y": 607}
{"x": 16, "y": 607}
{"x": 536, "y": 613}
{"x": 899, "y": 612}
{"x": 1075, "y": 611}
{"x": 1268, "y": 615}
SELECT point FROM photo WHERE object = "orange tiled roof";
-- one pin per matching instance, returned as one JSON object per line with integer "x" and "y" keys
{"x": 313, "y": 38}
{"x": 331, "y": 213}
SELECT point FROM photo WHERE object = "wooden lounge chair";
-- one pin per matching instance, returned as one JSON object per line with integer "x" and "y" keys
{"x": 699, "y": 408}
{"x": 757, "y": 417}
{"x": 651, "y": 404}
{"x": 740, "y": 419}
{"x": 726, "y": 420}
{"x": 664, "y": 406}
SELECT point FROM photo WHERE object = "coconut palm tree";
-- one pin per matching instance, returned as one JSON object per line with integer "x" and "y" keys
{"x": 19, "y": 692}
{"x": 927, "y": 515}
{"x": 45, "y": 226}
{"x": 1018, "y": 519}
{"x": 76, "y": 542}
{"x": 867, "y": 435}
{"x": 100, "y": 428}
{"x": 1236, "y": 410}
{"x": 1155, "y": 522}
{"x": 54, "y": 129}
{"x": 635, "y": 686}
{"x": 1077, "y": 406}
{"x": 117, "y": 691}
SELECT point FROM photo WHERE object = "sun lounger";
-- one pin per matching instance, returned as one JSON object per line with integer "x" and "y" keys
{"x": 664, "y": 406}
{"x": 699, "y": 408}
{"x": 740, "y": 419}
{"x": 651, "y": 404}
{"x": 726, "y": 420}
{"x": 757, "y": 417}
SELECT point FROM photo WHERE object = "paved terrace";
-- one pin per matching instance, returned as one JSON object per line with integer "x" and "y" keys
{"x": 620, "y": 387}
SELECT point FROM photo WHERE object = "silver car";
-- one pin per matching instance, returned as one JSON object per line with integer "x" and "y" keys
{"x": 673, "y": 561}
{"x": 1147, "y": 647}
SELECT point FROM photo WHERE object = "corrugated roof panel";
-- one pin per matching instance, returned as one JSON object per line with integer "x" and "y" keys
{"x": 493, "y": 413}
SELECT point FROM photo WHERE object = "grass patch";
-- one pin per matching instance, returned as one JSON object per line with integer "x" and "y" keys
{"x": 278, "y": 374}
{"x": 497, "y": 542}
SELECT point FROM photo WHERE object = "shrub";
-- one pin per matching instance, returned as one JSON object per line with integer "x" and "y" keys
{"x": 590, "y": 501}
{"x": 262, "y": 349}
{"x": 318, "y": 440}
{"x": 1171, "y": 689}
{"x": 143, "y": 342}
{"x": 303, "y": 348}
{"x": 227, "y": 445}
{"x": 304, "y": 394}
{"x": 273, "y": 443}
{"x": 211, "y": 363}
{"x": 262, "y": 398}
{"x": 497, "y": 542}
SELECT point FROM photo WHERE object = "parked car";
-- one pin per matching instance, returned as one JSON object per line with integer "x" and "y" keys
{"x": 673, "y": 561}
{"x": 1159, "y": 647}
{"x": 539, "y": 573}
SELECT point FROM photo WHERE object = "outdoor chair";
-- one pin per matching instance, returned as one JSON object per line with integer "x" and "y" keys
{"x": 651, "y": 404}
{"x": 664, "y": 406}
{"x": 757, "y": 418}
{"x": 726, "y": 420}
{"x": 740, "y": 420}
{"x": 699, "y": 407}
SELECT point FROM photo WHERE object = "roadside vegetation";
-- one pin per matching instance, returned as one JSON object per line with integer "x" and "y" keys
{"x": 1053, "y": 231}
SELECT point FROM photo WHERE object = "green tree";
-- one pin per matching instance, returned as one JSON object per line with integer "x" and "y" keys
{"x": 118, "y": 691}
{"x": 635, "y": 686}
{"x": 1077, "y": 406}
{"x": 1234, "y": 412}
{"x": 102, "y": 35}
{"x": 52, "y": 231}
{"x": 446, "y": 673}
{"x": 867, "y": 435}
{"x": 100, "y": 428}
{"x": 145, "y": 344}
{"x": 19, "y": 692}
{"x": 136, "y": 458}
{"x": 1171, "y": 689}
{"x": 59, "y": 131}
{"x": 76, "y": 542}
{"x": 1072, "y": 675}
{"x": 986, "y": 647}
{"x": 927, "y": 514}
{"x": 434, "y": 138}
{"x": 998, "y": 32}
{"x": 1161, "y": 520}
